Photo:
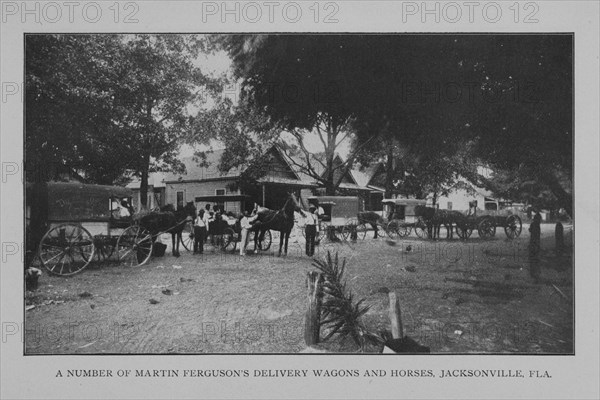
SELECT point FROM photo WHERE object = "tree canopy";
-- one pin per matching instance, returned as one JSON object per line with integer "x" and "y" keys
{"x": 110, "y": 104}
{"x": 508, "y": 98}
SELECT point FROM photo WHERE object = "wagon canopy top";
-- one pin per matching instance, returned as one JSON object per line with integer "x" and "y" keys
{"x": 67, "y": 201}
{"x": 405, "y": 202}
{"x": 73, "y": 189}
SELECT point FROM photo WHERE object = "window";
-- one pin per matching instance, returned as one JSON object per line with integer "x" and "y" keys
{"x": 220, "y": 192}
{"x": 449, "y": 207}
{"x": 179, "y": 199}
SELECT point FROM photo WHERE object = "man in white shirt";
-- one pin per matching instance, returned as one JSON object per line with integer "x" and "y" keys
{"x": 245, "y": 223}
{"x": 200, "y": 231}
{"x": 310, "y": 230}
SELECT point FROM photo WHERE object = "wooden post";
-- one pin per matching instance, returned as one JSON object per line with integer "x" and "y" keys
{"x": 312, "y": 320}
{"x": 264, "y": 196}
{"x": 395, "y": 317}
{"x": 534, "y": 248}
{"x": 559, "y": 238}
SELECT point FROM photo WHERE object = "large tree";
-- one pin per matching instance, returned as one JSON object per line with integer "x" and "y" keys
{"x": 293, "y": 82}
{"x": 507, "y": 98}
{"x": 110, "y": 104}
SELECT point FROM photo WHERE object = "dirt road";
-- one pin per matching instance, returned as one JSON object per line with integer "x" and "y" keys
{"x": 456, "y": 296}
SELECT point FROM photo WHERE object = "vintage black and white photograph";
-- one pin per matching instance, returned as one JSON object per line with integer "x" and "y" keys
{"x": 299, "y": 193}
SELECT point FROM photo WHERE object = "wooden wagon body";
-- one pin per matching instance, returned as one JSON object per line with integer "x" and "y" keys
{"x": 96, "y": 207}
{"x": 81, "y": 221}
{"x": 401, "y": 218}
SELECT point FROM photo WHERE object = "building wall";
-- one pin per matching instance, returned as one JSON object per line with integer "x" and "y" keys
{"x": 191, "y": 190}
{"x": 459, "y": 200}
{"x": 304, "y": 195}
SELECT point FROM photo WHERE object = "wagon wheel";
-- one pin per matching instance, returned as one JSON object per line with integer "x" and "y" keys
{"x": 134, "y": 246}
{"x": 66, "y": 249}
{"x": 338, "y": 231}
{"x": 328, "y": 231}
{"x": 187, "y": 236}
{"x": 361, "y": 231}
{"x": 464, "y": 231}
{"x": 486, "y": 228}
{"x": 400, "y": 228}
{"x": 393, "y": 229}
{"x": 229, "y": 241}
{"x": 349, "y": 231}
{"x": 421, "y": 229}
{"x": 513, "y": 227}
{"x": 320, "y": 233}
{"x": 381, "y": 230}
{"x": 404, "y": 230}
{"x": 266, "y": 242}
{"x": 104, "y": 247}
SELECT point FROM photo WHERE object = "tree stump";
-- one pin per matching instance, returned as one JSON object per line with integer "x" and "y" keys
{"x": 559, "y": 238}
{"x": 312, "y": 319}
{"x": 395, "y": 316}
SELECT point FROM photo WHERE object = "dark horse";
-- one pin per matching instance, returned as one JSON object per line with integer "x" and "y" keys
{"x": 169, "y": 220}
{"x": 281, "y": 221}
{"x": 434, "y": 219}
{"x": 371, "y": 218}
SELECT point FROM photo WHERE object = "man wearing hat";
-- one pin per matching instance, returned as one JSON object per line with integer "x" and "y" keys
{"x": 310, "y": 230}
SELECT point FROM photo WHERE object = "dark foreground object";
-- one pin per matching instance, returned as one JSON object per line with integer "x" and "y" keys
{"x": 158, "y": 250}
{"x": 32, "y": 276}
{"x": 406, "y": 345}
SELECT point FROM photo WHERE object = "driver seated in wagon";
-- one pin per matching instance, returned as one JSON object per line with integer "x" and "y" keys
{"x": 125, "y": 210}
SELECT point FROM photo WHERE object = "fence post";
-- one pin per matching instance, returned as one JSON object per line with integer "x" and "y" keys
{"x": 559, "y": 238}
{"x": 396, "y": 316}
{"x": 312, "y": 320}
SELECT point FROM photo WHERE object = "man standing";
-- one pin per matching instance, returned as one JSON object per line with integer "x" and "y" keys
{"x": 310, "y": 230}
{"x": 246, "y": 224}
{"x": 199, "y": 233}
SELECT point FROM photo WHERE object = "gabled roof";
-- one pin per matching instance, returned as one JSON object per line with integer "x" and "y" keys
{"x": 206, "y": 167}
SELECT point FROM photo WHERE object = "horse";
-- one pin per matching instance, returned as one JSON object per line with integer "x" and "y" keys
{"x": 281, "y": 221}
{"x": 169, "y": 220}
{"x": 371, "y": 218}
{"x": 434, "y": 219}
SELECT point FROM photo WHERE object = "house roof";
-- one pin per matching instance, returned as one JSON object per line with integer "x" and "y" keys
{"x": 204, "y": 167}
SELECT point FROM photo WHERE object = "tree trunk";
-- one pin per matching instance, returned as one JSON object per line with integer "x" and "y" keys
{"x": 38, "y": 218}
{"x": 144, "y": 183}
{"x": 329, "y": 176}
{"x": 389, "y": 170}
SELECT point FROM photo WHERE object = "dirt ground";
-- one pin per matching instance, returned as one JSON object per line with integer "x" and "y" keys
{"x": 456, "y": 296}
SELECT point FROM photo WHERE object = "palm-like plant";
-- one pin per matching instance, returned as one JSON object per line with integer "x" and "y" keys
{"x": 340, "y": 313}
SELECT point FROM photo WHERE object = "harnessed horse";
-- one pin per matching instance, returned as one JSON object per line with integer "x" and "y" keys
{"x": 281, "y": 221}
{"x": 169, "y": 220}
